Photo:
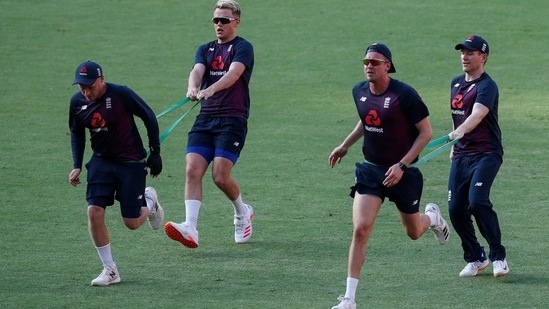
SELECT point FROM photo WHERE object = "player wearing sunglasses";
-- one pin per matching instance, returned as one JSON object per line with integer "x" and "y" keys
{"x": 394, "y": 125}
{"x": 220, "y": 78}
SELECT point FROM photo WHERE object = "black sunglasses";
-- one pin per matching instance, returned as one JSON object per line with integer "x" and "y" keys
{"x": 374, "y": 62}
{"x": 223, "y": 20}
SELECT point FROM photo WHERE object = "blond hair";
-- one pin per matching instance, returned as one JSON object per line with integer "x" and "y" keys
{"x": 229, "y": 4}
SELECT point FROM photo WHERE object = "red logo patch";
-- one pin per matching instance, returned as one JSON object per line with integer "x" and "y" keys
{"x": 457, "y": 102}
{"x": 218, "y": 63}
{"x": 98, "y": 121}
{"x": 372, "y": 118}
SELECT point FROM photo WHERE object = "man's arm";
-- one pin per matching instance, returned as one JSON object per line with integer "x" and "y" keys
{"x": 479, "y": 112}
{"x": 233, "y": 74}
{"x": 340, "y": 151}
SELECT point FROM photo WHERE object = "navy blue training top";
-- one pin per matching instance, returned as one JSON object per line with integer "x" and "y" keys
{"x": 486, "y": 137}
{"x": 235, "y": 100}
{"x": 110, "y": 122}
{"x": 388, "y": 121}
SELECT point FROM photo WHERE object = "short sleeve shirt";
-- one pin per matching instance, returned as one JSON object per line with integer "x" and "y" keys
{"x": 388, "y": 121}
{"x": 235, "y": 100}
{"x": 486, "y": 137}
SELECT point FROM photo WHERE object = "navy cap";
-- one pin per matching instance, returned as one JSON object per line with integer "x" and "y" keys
{"x": 86, "y": 73}
{"x": 474, "y": 42}
{"x": 384, "y": 50}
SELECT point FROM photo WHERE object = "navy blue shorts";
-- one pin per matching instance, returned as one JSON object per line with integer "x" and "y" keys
{"x": 110, "y": 180}
{"x": 217, "y": 137}
{"x": 406, "y": 194}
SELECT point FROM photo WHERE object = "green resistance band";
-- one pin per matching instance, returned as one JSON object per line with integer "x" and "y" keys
{"x": 437, "y": 142}
{"x": 174, "y": 106}
{"x": 170, "y": 129}
{"x": 444, "y": 141}
{"x": 171, "y": 108}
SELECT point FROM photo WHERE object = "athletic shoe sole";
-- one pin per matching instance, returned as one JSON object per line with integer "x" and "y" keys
{"x": 482, "y": 267}
{"x": 179, "y": 236}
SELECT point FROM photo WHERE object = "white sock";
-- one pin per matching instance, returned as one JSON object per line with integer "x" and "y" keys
{"x": 433, "y": 218}
{"x": 240, "y": 208}
{"x": 352, "y": 284}
{"x": 192, "y": 208}
{"x": 106, "y": 256}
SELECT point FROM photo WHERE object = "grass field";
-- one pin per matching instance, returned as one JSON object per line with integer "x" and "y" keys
{"x": 308, "y": 57}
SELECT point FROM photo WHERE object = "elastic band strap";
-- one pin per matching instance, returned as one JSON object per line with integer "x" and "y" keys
{"x": 437, "y": 142}
{"x": 434, "y": 153}
{"x": 170, "y": 129}
{"x": 444, "y": 141}
{"x": 174, "y": 106}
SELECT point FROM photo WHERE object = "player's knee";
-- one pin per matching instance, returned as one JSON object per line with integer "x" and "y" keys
{"x": 361, "y": 232}
{"x": 193, "y": 174}
{"x": 413, "y": 234}
{"x": 132, "y": 224}
{"x": 96, "y": 213}
{"x": 221, "y": 181}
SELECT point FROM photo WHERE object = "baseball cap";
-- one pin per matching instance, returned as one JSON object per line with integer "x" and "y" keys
{"x": 86, "y": 73}
{"x": 474, "y": 42}
{"x": 384, "y": 50}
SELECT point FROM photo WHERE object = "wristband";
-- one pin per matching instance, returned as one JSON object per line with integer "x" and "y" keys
{"x": 402, "y": 166}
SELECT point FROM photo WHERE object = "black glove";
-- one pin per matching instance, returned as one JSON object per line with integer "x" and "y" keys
{"x": 154, "y": 161}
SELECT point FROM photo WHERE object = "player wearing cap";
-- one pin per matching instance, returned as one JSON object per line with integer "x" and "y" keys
{"x": 220, "y": 78}
{"x": 394, "y": 125}
{"x": 476, "y": 159}
{"x": 118, "y": 166}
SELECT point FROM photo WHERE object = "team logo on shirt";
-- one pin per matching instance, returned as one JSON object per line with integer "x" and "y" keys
{"x": 373, "y": 122}
{"x": 98, "y": 121}
{"x": 457, "y": 102}
{"x": 386, "y": 103}
{"x": 218, "y": 63}
{"x": 471, "y": 87}
{"x": 372, "y": 118}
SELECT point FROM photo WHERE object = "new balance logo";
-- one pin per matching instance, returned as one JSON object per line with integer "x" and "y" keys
{"x": 478, "y": 184}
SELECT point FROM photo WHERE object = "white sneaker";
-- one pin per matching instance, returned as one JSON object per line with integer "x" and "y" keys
{"x": 109, "y": 275}
{"x": 243, "y": 226}
{"x": 441, "y": 228}
{"x": 500, "y": 268}
{"x": 472, "y": 269}
{"x": 345, "y": 303}
{"x": 156, "y": 214}
{"x": 184, "y": 232}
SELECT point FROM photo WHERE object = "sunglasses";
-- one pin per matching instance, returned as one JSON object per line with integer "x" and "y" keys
{"x": 222, "y": 20}
{"x": 374, "y": 62}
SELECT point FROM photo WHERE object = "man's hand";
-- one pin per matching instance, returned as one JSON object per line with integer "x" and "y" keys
{"x": 73, "y": 177}
{"x": 154, "y": 162}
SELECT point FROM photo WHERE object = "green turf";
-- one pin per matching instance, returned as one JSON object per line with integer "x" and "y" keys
{"x": 308, "y": 57}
